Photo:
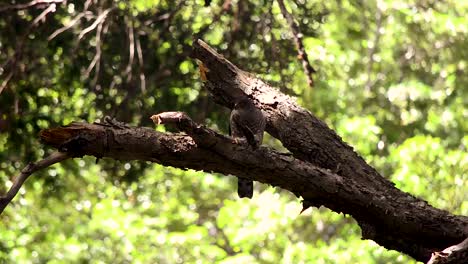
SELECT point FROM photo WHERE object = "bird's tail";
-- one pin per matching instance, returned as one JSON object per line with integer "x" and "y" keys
{"x": 244, "y": 188}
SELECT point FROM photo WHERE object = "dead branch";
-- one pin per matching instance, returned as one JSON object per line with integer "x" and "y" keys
{"x": 203, "y": 149}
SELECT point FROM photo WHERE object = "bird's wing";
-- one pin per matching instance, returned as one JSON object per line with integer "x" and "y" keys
{"x": 250, "y": 136}
{"x": 260, "y": 128}
{"x": 240, "y": 128}
{"x": 256, "y": 125}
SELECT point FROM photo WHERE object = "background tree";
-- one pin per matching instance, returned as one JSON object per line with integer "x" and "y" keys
{"x": 390, "y": 82}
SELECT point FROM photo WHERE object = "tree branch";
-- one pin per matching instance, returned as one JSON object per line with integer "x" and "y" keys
{"x": 398, "y": 221}
{"x": 26, "y": 172}
{"x": 204, "y": 150}
{"x": 378, "y": 213}
{"x": 69, "y": 25}
{"x": 100, "y": 19}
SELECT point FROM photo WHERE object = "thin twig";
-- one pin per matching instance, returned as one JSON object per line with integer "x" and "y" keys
{"x": 28, "y": 5}
{"x": 5, "y": 82}
{"x": 26, "y": 172}
{"x": 302, "y": 55}
{"x": 69, "y": 25}
{"x": 97, "y": 68}
{"x": 87, "y": 4}
{"x": 131, "y": 51}
{"x": 97, "y": 56}
{"x": 44, "y": 13}
{"x": 98, "y": 20}
{"x": 95, "y": 63}
{"x": 141, "y": 63}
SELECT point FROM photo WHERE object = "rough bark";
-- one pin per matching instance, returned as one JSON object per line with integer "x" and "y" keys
{"x": 390, "y": 217}
{"x": 321, "y": 167}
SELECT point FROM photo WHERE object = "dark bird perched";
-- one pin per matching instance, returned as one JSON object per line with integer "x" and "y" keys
{"x": 247, "y": 123}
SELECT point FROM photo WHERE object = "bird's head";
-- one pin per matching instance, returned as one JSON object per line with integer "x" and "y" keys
{"x": 244, "y": 103}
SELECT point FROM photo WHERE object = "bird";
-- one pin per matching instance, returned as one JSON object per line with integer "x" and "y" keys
{"x": 247, "y": 124}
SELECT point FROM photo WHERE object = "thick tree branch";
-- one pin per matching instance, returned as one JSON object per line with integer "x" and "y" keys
{"x": 204, "y": 149}
{"x": 207, "y": 150}
{"x": 398, "y": 221}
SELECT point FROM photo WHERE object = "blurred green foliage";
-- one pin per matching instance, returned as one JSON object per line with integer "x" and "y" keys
{"x": 391, "y": 80}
